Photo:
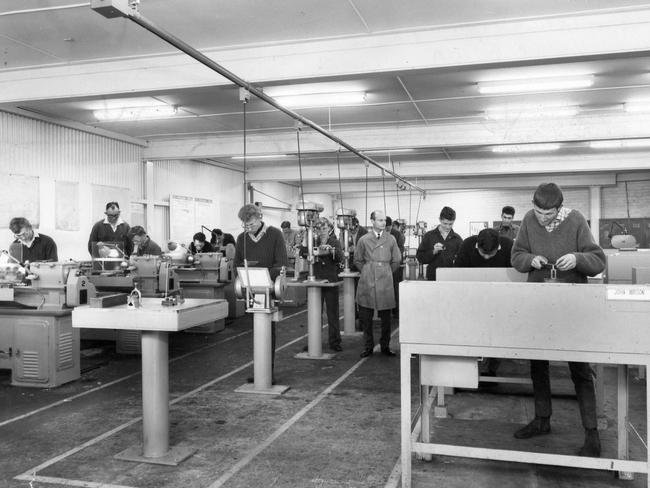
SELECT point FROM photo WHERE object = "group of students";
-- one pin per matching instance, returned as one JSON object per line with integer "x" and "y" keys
{"x": 550, "y": 234}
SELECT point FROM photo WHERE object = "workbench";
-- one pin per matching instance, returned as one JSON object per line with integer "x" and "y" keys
{"x": 448, "y": 325}
{"x": 155, "y": 321}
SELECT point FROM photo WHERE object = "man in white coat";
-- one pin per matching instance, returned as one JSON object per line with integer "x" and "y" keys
{"x": 377, "y": 257}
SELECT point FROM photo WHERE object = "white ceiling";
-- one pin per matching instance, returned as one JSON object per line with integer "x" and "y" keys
{"x": 419, "y": 62}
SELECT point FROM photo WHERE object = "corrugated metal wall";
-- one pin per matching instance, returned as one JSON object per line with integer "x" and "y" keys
{"x": 36, "y": 148}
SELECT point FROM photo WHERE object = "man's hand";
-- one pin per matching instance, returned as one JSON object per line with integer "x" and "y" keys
{"x": 438, "y": 247}
{"x": 538, "y": 262}
{"x": 566, "y": 262}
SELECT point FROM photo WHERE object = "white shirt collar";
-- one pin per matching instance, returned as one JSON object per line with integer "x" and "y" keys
{"x": 29, "y": 244}
{"x": 114, "y": 226}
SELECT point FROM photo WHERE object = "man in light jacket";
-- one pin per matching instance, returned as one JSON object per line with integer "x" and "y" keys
{"x": 377, "y": 257}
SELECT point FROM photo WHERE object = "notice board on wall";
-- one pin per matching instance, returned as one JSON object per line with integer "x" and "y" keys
{"x": 102, "y": 194}
{"x": 20, "y": 197}
{"x": 67, "y": 205}
{"x": 186, "y": 215}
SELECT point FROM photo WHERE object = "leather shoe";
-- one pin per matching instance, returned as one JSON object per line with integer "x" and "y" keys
{"x": 366, "y": 353}
{"x": 388, "y": 352}
{"x": 591, "y": 447}
{"x": 538, "y": 426}
{"x": 336, "y": 348}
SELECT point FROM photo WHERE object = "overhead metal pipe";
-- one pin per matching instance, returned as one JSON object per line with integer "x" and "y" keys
{"x": 123, "y": 8}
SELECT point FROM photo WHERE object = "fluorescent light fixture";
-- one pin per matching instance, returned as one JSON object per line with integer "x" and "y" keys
{"x": 322, "y": 99}
{"x": 135, "y": 113}
{"x": 519, "y": 148}
{"x": 525, "y": 85}
{"x": 517, "y": 112}
{"x": 619, "y": 143}
{"x": 262, "y": 156}
{"x": 637, "y": 107}
{"x": 387, "y": 151}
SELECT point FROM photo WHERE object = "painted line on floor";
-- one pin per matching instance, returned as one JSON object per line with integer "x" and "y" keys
{"x": 238, "y": 466}
{"x": 31, "y": 473}
{"x": 124, "y": 378}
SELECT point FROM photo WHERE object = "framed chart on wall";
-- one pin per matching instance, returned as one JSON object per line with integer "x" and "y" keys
{"x": 477, "y": 226}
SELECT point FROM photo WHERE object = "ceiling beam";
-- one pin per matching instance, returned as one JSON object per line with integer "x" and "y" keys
{"x": 552, "y": 38}
{"x": 455, "y": 184}
{"x": 479, "y": 132}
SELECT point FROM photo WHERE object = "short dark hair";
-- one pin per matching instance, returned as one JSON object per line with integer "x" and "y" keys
{"x": 217, "y": 232}
{"x": 285, "y": 225}
{"x": 508, "y": 210}
{"x": 389, "y": 221}
{"x": 249, "y": 211}
{"x": 228, "y": 239}
{"x": 447, "y": 213}
{"x": 18, "y": 223}
{"x": 199, "y": 236}
{"x": 488, "y": 240}
{"x": 548, "y": 196}
{"x": 137, "y": 230}
{"x": 110, "y": 205}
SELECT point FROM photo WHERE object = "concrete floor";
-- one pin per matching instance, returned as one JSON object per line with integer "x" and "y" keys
{"x": 338, "y": 425}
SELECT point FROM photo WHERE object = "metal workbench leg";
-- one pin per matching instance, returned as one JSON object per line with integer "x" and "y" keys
{"x": 349, "y": 308}
{"x": 405, "y": 381}
{"x": 622, "y": 409}
{"x": 262, "y": 352}
{"x": 314, "y": 326}
{"x": 155, "y": 406}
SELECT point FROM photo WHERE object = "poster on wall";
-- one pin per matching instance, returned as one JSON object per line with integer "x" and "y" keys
{"x": 476, "y": 227}
{"x": 67, "y": 205}
{"x": 20, "y": 197}
{"x": 187, "y": 214}
{"x": 102, "y": 194}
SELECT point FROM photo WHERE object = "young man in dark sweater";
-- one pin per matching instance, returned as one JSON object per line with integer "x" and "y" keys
{"x": 554, "y": 234}
{"x": 262, "y": 246}
{"x": 29, "y": 244}
{"x": 486, "y": 250}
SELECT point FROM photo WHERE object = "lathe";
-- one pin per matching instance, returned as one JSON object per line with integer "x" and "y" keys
{"x": 37, "y": 341}
{"x": 206, "y": 275}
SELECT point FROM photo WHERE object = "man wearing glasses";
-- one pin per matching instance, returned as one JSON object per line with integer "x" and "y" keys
{"x": 262, "y": 246}
{"x": 29, "y": 244}
{"x": 111, "y": 229}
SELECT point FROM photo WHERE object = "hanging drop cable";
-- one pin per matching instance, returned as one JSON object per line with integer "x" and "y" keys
{"x": 410, "y": 200}
{"x": 383, "y": 184}
{"x": 338, "y": 163}
{"x": 366, "y": 196}
{"x": 399, "y": 213}
{"x": 302, "y": 193}
{"x": 249, "y": 295}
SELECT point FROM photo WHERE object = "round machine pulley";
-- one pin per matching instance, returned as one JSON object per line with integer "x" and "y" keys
{"x": 308, "y": 213}
{"x": 344, "y": 217}
{"x": 280, "y": 287}
{"x": 239, "y": 287}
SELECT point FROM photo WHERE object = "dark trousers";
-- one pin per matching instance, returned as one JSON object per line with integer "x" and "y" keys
{"x": 331, "y": 300}
{"x": 582, "y": 381}
{"x": 397, "y": 277}
{"x": 273, "y": 324}
{"x": 365, "y": 319}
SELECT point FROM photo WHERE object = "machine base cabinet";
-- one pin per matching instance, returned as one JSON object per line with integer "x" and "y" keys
{"x": 40, "y": 348}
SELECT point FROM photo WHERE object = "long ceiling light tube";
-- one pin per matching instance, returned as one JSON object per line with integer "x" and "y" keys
{"x": 121, "y": 8}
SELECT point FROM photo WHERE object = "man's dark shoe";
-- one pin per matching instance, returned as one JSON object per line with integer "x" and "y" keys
{"x": 366, "y": 353}
{"x": 336, "y": 348}
{"x": 387, "y": 352}
{"x": 591, "y": 447}
{"x": 539, "y": 426}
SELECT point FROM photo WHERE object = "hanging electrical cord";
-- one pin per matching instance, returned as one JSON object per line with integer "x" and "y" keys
{"x": 410, "y": 203}
{"x": 302, "y": 193}
{"x": 397, "y": 188}
{"x": 383, "y": 184}
{"x": 338, "y": 164}
{"x": 366, "y": 196}
{"x": 249, "y": 296}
